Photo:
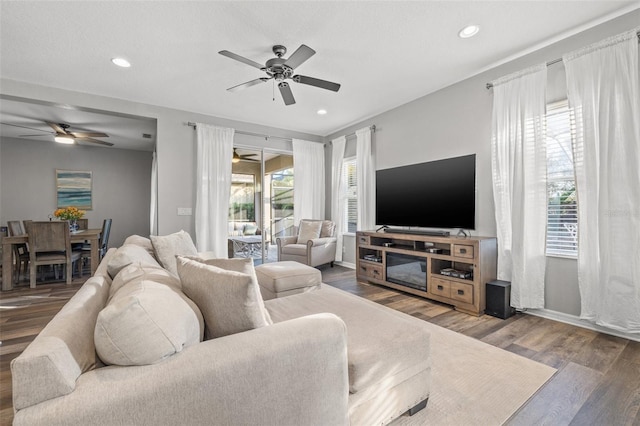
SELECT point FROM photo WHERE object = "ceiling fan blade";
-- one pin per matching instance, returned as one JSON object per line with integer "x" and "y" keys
{"x": 248, "y": 84}
{"x": 56, "y": 127}
{"x": 285, "y": 91}
{"x": 241, "y": 59}
{"x": 26, "y": 127}
{"x": 95, "y": 141}
{"x": 89, "y": 134}
{"x": 298, "y": 57}
{"x": 29, "y": 136}
{"x": 323, "y": 84}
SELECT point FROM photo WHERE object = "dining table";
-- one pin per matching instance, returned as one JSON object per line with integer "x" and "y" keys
{"x": 90, "y": 235}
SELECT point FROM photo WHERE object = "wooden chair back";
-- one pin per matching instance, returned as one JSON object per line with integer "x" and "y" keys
{"x": 49, "y": 236}
{"x": 83, "y": 223}
{"x": 15, "y": 228}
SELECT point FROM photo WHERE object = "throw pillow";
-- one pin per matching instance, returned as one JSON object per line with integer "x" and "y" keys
{"x": 309, "y": 230}
{"x": 328, "y": 228}
{"x": 228, "y": 299}
{"x": 244, "y": 266}
{"x": 167, "y": 247}
{"x": 146, "y": 321}
{"x": 250, "y": 229}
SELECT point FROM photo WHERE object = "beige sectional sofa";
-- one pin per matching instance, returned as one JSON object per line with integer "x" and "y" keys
{"x": 323, "y": 357}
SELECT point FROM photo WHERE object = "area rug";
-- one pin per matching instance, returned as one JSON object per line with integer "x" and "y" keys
{"x": 474, "y": 383}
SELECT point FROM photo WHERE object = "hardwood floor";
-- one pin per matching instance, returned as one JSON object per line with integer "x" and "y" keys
{"x": 597, "y": 383}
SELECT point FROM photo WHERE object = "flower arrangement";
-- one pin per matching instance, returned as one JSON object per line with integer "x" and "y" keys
{"x": 69, "y": 213}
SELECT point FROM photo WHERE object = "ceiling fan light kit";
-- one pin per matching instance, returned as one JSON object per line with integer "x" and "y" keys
{"x": 66, "y": 139}
{"x": 280, "y": 69}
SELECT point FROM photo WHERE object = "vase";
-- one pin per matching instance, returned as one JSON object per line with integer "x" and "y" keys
{"x": 73, "y": 225}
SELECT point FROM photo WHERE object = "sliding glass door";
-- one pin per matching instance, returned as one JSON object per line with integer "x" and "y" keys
{"x": 261, "y": 204}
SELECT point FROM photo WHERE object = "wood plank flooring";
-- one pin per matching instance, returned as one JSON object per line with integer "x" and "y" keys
{"x": 597, "y": 383}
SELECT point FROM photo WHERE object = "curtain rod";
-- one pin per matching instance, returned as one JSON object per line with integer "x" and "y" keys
{"x": 555, "y": 61}
{"x": 260, "y": 135}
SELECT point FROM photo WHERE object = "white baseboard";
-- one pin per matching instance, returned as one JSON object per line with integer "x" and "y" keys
{"x": 346, "y": 265}
{"x": 574, "y": 320}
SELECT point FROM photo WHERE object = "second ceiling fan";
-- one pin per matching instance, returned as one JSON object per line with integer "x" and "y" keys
{"x": 280, "y": 69}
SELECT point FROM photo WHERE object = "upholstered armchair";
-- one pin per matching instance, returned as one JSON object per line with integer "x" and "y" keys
{"x": 314, "y": 244}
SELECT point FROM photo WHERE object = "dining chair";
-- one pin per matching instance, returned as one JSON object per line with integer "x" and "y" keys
{"x": 83, "y": 223}
{"x": 20, "y": 251}
{"x": 103, "y": 243}
{"x": 50, "y": 244}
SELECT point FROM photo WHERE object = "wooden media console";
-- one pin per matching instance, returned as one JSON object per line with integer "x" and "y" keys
{"x": 452, "y": 270}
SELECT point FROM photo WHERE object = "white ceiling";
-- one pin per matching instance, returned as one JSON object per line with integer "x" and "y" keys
{"x": 384, "y": 54}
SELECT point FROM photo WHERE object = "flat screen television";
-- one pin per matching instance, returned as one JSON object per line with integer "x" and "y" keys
{"x": 435, "y": 194}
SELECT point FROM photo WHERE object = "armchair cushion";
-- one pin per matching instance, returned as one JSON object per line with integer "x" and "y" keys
{"x": 309, "y": 230}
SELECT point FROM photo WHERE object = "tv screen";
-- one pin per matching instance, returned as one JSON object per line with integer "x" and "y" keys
{"x": 436, "y": 194}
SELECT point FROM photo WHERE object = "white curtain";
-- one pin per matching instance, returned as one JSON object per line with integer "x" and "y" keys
{"x": 518, "y": 165}
{"x": 308, "y": 178}
{"x": 213, "y": 187}
{"x": 337, "y": 191}
{"x": 602, "y": 85}
{"x": 153, "y": 208}
{"x": 366, "y": 180}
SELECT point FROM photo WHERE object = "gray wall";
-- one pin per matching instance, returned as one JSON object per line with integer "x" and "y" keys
{"x": 175, "y": 143}
{"x": 457, "y": 121}
{"x": 121, "y": 183}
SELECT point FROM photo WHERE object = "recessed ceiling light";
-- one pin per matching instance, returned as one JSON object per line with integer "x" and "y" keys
{"x": 469, "y": 31}
{"x": 322, "y": 111}
{"x": 121, "y": 62}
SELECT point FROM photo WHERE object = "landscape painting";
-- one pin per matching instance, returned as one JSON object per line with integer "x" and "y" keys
{"x": 73, "y": 189}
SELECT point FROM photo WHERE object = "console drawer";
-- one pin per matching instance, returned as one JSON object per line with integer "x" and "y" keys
{"x": 440, "y": 287}
{"x": 364, "y": 240}
{"x": 370, "y": 271}
{"x": 463, "y": 250}
{"x": 462, "y": 292}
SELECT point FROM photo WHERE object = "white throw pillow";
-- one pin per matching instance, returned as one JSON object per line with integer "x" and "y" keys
{"x": 309, "y": 230}
{"x": 228, "y": 299}
{"x": 146, "y": 320}
{"x": 167, "y": 247}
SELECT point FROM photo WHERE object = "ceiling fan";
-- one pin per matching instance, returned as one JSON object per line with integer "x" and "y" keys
{"x": 237, "y": 157}
{"x": 63, "y": 135}
{"x": 280, "y": 69}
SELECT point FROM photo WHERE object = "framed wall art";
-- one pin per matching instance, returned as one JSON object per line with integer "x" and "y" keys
{"x": 73, "y": 189}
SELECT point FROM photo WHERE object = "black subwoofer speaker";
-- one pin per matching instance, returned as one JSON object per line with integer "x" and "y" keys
{"x": 498, "y": 295}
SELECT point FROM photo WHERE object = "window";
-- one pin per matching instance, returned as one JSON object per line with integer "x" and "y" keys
{"x": 350, "y": 194}
{"x": 562, "y": 209}
{"x": 242, "y": 205}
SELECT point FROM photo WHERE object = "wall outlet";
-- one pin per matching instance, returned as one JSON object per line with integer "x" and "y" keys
{"x": 184, "y": 211}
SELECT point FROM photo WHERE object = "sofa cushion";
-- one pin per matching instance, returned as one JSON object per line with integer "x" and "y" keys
{"x": 309, "y": 230}
{"x": 147, "y": 319}
{"x": 244, "y": 266}
{"x": 167, "y": 247}
{"x": 230, "y": 301}
{"x": 143, "y": 242}
{"x": 128, "y": 254}
{"x": 394, "y": 349}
